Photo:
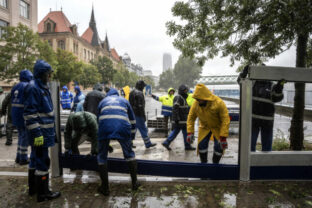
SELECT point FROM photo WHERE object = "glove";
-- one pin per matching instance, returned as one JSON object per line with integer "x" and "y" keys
{"x": 243, "y": 74}
{"x": 223, "y": 142}
{"x": 190, "y": 138}
{"x": 110, "y": 149}
{"x": 154, "y": 96}
{"x": 281, "y": 82}
{"x": 67, "y": 152}
{"x": 38, "y": 141}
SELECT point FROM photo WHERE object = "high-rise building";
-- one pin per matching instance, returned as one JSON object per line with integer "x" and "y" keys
{"x": 167, "y": 61}
{"x": 13, "y": 12}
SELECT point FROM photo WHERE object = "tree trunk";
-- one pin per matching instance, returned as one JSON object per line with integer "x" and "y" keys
{"x": 296, "y": 128}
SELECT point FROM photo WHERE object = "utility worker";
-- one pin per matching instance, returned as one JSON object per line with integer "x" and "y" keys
{"x": 125, "y": 92}
{"x": 166, "y": 108}
{"x": 39, "y": 119}
{"x": 66, "y": 98}
{"x": 214, "y": 120}
{"x": 6, "y": 109}
{"x": 78, "y": 99}
{"x": 137, "y": 102}
{"x": 17, "y": 100}
{"x": 93, "y": 99}
{"x": 190, "y": 100}
{"x": 117, "y": 122}
{"x": 179, "y": 117}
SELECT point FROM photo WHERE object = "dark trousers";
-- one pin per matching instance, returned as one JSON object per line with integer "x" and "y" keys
{"x": 266, "y": 129}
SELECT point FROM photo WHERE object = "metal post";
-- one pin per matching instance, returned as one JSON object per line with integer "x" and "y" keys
{"x": 245, "y": 129}
{"x": 57, "y": 148}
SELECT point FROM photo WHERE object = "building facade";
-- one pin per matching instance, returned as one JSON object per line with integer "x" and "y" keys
{"x": 167, "y": 61}
{"x": 13, "y": 12}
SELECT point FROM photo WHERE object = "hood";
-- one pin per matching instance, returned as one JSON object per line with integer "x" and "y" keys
{"x": 126, "y": 89}
{"x": 182, "y": 88}
{"x": 203, "y": 93}
{"x": 98, "y": 87}
{"x": 171, "y": 89}
{"x": 140, "y": 85}
{"x": 26, "y": 76}
{"x": 65, "y": 88}
{"x": 77, "y": 88}
{"x": 112, "y": 91}
{"x": 41, "y": 67}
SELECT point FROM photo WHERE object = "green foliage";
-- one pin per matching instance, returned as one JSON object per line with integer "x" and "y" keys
{"x": 166, "y": 79}
{"x": 68, "y": 68}
{"x": 45, "y": 52}
{"x": 18, "y": 50}
{"x": 89, "y": 76}
{"x": 149, "y": 80}
{"x": 105, "y": 68}
{"x": 123, "y": 77}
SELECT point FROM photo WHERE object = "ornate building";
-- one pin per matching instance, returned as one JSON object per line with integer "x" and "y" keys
{"x": 60, "y": 33}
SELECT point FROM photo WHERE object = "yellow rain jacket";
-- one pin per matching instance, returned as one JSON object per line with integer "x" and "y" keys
{"x": 213, "y": 117}
{"x": 190, "y": 100}
{"x": 126, "y": 90}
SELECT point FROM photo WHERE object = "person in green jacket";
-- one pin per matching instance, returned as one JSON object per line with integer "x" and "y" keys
{"x": 167, "y": 105}
{"x": 81, "y": 126}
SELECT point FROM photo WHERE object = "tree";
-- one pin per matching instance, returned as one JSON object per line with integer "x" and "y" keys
{"x": 251, "y": 31}
{"x": 18, "y": 50}
{"x": 68, "y": 67}
{"x": 105, "y": 68}
{"x": 149, "y": 80}
{"x": 45, "y": 52}
{"x": 89, "y": 76}
{"x": 186, "y": 71}
{"x": 166, "y": 79}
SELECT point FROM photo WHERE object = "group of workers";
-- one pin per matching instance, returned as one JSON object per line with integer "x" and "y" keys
{"x": 109, "y": 116}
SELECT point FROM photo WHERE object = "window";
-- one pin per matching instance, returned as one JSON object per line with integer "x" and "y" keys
{"x": 88, "y": 55}
{"x": 75, "y": 46}
{"x": 3, "y": 24}
{"x": 49, "y": 27}
{"x": 4, "y": 3}
{"x": 85, "y": 54}
{"x": 61, "y": 44}
{"x": 24, "y": 9}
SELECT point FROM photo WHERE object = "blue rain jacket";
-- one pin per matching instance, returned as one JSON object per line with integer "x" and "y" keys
{"x": 38, "y": 108}
{"x": 66, "y": 98}
{"x": 79, "y": 98}
{"x": 18, "y": 98}
{"x": 116, "y": 118}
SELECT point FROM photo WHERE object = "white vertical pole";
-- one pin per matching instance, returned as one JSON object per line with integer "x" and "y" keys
{"x": 245, "y": 129}
{"x": 57, "y": 148}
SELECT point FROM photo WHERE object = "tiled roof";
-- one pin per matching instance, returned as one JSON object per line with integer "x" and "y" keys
{"x": 62, "y": 23}
{"x": 87, "y": 35}
{"x": 115, "y": 54}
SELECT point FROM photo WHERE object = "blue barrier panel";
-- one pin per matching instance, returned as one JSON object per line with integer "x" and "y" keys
{"x": 155, "y": 168}
{"x": 281, "y": 172}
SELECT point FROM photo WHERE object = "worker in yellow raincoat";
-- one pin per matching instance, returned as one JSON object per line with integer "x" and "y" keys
{"x": 214, "y": 121}
{"x": 125, "y": 92}
{"x": 190, "y": 100}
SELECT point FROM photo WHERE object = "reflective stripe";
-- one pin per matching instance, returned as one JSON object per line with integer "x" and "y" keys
{"x": 46, "y": 126}
{"x": 33, "y": 126}
{"x": 132, "y": 121}
{"x": 277, "y": 94}
{"x": 41, "y": 173}
{"x": 114, "y": 116}
{"x": 27, "y": 117}
{"x": 67, "y": 99}
{"x": 130, "y": 159}
{"x": 166, "y": 110}
{"x": 133, "y": 131}
{"x": 17, "y": 105}
{"x": 270, "y": 118}
{"x": 30, "y": 116}
{"x": 203, "y": 150}
{"x": 23, "y": 148}
{"x": 111, "y": 107}
{"x": 217, "y": 153}
{"x": 262, "y": 100}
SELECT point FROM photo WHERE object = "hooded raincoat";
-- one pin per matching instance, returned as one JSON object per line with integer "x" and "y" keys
{"x": 167, "y": 103}
{"x": 66, "y": 98}
{"x": 126, "y": 91}
{"x": 213, "y": 117}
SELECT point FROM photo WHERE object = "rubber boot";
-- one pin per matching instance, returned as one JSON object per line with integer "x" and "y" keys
{"x": 216, "y": 157}
{"x": 104, "y": 188}
{"x": 9, "y": 134}
{"x": 203, "y": 157}
{"x": 31, "y": 182}
{"x": 133, "y": 173}
{"x": 43, "y": 192}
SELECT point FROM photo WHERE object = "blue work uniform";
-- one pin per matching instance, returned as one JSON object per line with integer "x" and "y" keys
{"x": 78, "y": 100}
{"x": 66, "y": 98}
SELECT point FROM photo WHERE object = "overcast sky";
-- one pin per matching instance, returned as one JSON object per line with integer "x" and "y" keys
{"x": 137, "y": 27}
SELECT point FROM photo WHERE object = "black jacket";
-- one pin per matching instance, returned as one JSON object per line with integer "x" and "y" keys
{"x": 265, "y": 94}
{"x": 137, "y": 101}
{"x": 180, "y": 108}
{"x": 92, "y": 101}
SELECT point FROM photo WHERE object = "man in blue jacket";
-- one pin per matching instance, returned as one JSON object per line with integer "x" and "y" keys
{"x": 39, "y": 120}
{"x": 78, "y": 100}
{"x": 17, "y": 110}
{"x": 116, "y": 121}
{"x": 66, "y": 98}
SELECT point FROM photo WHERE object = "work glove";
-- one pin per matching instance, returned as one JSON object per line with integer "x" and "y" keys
{"x": 243, "y": 74}
{"x": 110, "y": 149}
{"x": 154, "y": 96}
{"x": 190, "y": 138}
{"x": 38, "y": 141}
{"x": 223, "y": 142}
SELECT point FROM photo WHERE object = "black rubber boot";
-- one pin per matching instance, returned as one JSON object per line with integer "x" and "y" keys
{"x": 133, "y": 173}
{"x": 216, "y": 157}
{"x": 31, "y": 182}
{"x": 43, "y": 192}
{"x": 8, "y": 137}
{"x": 104, "y": 188}
{"x": 203, "y": 157}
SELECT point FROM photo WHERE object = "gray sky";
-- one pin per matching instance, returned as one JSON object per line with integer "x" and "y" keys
{"x": 138, "y": 28}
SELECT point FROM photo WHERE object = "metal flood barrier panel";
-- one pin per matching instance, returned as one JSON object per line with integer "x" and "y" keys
{"x": 155, "y": 168}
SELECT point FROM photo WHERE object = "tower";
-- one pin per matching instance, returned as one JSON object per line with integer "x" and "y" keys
{"x": 167, "y": 61}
